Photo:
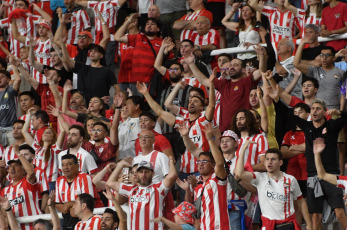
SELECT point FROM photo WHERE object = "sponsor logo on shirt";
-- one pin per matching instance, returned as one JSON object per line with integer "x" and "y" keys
{"x": 5, "y": 106}
{"x": 138, "y": 199}
{"x": 196, "y": 139}
{"x": 236, "y": 88}
{"x": 276, "y": 196}
{"x": 17, "y": 200}
{"x": 280, "y": 30}
{"x": 337, "y": 15}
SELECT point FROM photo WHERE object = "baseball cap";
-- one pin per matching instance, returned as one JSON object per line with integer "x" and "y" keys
{"x": 145, "y": 164}
{"x": 15, "y": 160}
{"x": 46, "y": 24}
{"x": 87, "y": 33}
{"x": 185, "y": 210}
{"x": 232, "y": 134}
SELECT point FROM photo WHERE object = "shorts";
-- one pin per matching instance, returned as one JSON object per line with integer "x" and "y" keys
{"x": 342, "y": 137}
{"x": 303, "y": 187}
{"x": 218, "y": 11}
{"x": 332, "y": 194}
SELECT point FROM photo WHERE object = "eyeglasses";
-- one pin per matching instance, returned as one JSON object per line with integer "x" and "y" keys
{"x": 202, "y": 161}
{"x": 173, "y": 69}
{"x": 97, "y": 130}
{"x": 224, "y": 69}
{"x": 326, "y": 55}
{"x": 145, "y": 137}
{"x": 82, "y": 36}
{"x": 249, "y": 67}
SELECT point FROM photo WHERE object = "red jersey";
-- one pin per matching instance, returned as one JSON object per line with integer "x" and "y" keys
{"x": 143, "y": 57}
{"x": 51, "y": 166}
{"x": 186, "y": 34}
{"x": 296, "y": 165}
{"x": 254, "y": 151}
{"x": 125, "y": 70}
{"x": 66, "y": 192}
{"x": 24, "y": 199}
{"x": 214, "y": 203}
{"x": 93, "y": 223}
{"x": 108, "y": 10}
{"x": 80, "y": 22}
{"x": 334, "y": 19}
{"x": 161, "y": 143}
{"x": 197, "y": 135}
{"x": 282, "y": 24}
{"x": 146, "y": 203}
{"x": 233, "y": 98}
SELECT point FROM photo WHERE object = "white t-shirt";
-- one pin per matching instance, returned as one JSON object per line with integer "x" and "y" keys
{"x": 276, "y": 197}
{"x": 159, "y": 161}
{"x": 85, "y": 160}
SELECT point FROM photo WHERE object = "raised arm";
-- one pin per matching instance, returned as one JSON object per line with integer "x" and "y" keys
{"x": 257, "y": 6}
{"x": 197, "y": 73}
{"x": 17, "y": 79}
{"x": 275, "y": 91}
{"x": 25, "y": 130}
{"x": 121, "y": 214}
{"x": 120, "y": 35}
{"x": 303, "y": 67}
{"x": 225, "y": 21}
{"x": 112, "y": 181}
{"x": 105, "y": 31}
{"x": 6, "y": 206}
{"x": 264, "y": 122}
{"x": 32, "y": 61}
{"x": 290, "y": 7}
{"x": 28, "y": 167}
{"x": 118, "y": 100}
{"x": 65, "y": 110}
{"x": 158, "y": 64}
{"x": 53, "y": 87}
{"x": 191, "y": 147}
{"x": 290, "y": 87}
{"x": 217, "y": 154}
{"x": 68, "y": 62}
{"x": 318, "y": 148}
{"x": 262, "y": 57}
{"x": 15, "y": 32}
{"x": 53, "y": 212}
{"x": 164, "y": 115}
{"x": 25, "y": 74}
{"x": 171, "y": 177}
{"x": 60, "y": 33}
{"x": 168, "y": 101}
{"x": 43, "y": 13}
{"x": 212, "y": 97}
{"x": 240, "y": 172}
{"x": 97, "y": 179}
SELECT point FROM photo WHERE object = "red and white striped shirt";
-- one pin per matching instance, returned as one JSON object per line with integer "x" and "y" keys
{"x": 2, "y": 152}
{"x": 24, "y": 199}
{"x": 9, "y": 154}
{"x": 146, "y": 203}
{"x": 108, "y": 10}
{"x": 303, "y": 21}
{"x": 23, "y": 118}
{"x": 186, "y": 34}
{"x": 42, "y": 55}
{"x": 282, "y": 23}
{"x": 51, "y": 166}
{"x": 216, "y": 116}
{"x": 80, "y": 22}
{"x": 254, "y": 151}
{"x": 81, "y": 184}
{"x": 276, "y": 198}
{"x": 212, "y": 37}
{"x": 41, "y": 178}
{"x": 214, "y": 203}
{"x": 93, "y": 223}
{"x": 197, "y": 135}
{"x": 193, "y": 82}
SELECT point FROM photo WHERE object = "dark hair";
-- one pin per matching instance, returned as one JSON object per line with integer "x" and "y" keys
{"x": 207, "y": 154}
{"x": 90, "y": 117}
{"x": 26, "y": 2}
{"x": 114, "y": 214}
{"x": 250, "y": 123}
{"x": 137, "y": 100}
{"x": 254, "y": 62}
{"x": 70, "y": 156}
{"x": 242, "y": 24}
{"x": 28, "y": 147}
{"x": 225, "y": 55}
{"x": 303, "y": 106}
{"x": 313, "y": 80}
{"x": 43, "y": 115}
{"x": 27, "y": 93}
{"x": 80, "y": 129}
{"x": 6, "y": 73}
{"x": 156, "y": 21}
{"x": 48, "y": 151}
{"x": 97, "y": 48}
{"x": 329, "y": 48}
{"x": 243, "y": 62}
{"x": 18, "y": 121}
{"x": 275, "y": 151}
{"x": 149, "y": 115}
{"x": 191, "y": 43}
{"x": 46, "y": 223}
{"x": 51, "y": 50}
{"x": 199, "y": 91}
{"x": 88, "y": 200}
{"x": 103, "y": 125}
{"x": 103, "y": 109}
{"x": 179, "y": 64}
{"x": 3, "y": 63}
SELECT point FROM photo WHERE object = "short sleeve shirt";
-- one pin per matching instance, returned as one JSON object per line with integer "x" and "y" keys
{"x": 8, "y": 106}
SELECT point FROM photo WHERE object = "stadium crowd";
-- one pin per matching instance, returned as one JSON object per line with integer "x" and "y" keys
{"x": 120, "y": 104}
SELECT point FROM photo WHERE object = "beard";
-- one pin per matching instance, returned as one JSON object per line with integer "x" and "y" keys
{"x": 175, "y": 79}
{"x": 150, "y": 33}
{"x": 71, "y": 144}
{"x": 241, "y": 128}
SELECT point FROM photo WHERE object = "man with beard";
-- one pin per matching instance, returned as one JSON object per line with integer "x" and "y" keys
{"x": 144, "y": 47}
{"x": 146, "y": 198}
{"x": 75, "y": 138}
{"x": 9, "y": 153}
{"x": 243, "y": 124}
{"x": 93, "y": 80}
{"x": 109, "y": 220}
{"x": 233, "y": 91}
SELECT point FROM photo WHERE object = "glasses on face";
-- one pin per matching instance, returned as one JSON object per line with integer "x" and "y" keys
{"x": 145, "y": 137}
{"x": 325, "y": 55}
{"x": 224, "y": 69}
{"x": 97, "y": 130}
{"x": 82, "y": 36}
{"x": 173, "y": 69}
{"x": 249, "y": 67}
{"x": 202, "y": 161}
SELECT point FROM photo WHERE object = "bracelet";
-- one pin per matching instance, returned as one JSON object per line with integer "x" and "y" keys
{"x": 9, "y": 209}
{"x": 118, "y": 107}
{"x": 52, "y": 82}
{"x": 104, "y": 23}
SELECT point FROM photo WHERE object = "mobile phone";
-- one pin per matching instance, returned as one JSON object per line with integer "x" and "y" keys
{"x": 126, "y": 172}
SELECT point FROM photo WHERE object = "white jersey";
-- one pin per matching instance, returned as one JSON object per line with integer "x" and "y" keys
{"x": 85, "y": 160}
{"x": 276, "y": 198}
{"x": 159, "y": 161}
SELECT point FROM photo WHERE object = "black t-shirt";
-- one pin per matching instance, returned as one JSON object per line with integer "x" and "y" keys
{"x": 311, "y": 53}
{"x": 329, "y": 131}
{"x": 64, "y": 75}
{"x": 94, "y": 82}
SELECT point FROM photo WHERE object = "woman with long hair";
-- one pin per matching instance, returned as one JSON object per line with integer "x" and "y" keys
{"x": 47, "y": 150}
{"x": 249, "y": 30}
